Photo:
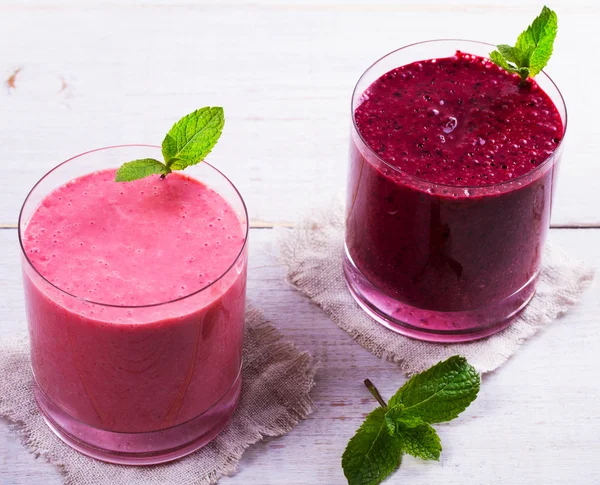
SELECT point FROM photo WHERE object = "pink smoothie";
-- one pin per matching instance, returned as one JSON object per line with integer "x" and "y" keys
{"x": 123, "y": 339}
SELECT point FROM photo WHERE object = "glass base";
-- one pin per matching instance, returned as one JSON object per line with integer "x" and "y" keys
{"x": 147, "y": 448}
{"x": 430, "y": 325}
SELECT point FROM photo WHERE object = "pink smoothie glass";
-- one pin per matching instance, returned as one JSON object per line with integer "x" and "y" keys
{"x": 440, "y": 262}
{"x": 136, "y": 384}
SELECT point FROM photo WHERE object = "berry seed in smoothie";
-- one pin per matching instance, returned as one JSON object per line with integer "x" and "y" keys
{"x": 450, "y": 192}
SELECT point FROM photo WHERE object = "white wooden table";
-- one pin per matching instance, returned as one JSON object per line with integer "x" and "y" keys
{"x": 81, "y": 75}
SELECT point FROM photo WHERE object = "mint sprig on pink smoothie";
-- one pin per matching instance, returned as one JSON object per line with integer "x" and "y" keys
{"x": 533, "y": 49}
{"x": 189, "y": 142}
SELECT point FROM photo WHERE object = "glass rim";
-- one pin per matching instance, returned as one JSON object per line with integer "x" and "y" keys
{"x": 21, "y": 223}
{"x": 437, "y": 184}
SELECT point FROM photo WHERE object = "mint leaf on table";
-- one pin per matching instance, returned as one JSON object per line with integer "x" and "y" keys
{"x": 418, "y": 438}
{"x": 373, "y": 453}
{"x": 403, "y": 424}
{"x": 188, "y": 142}
{"x": 440, "y": 393}
{"x": 421, "y": 441}
{"x": 394, "y": 415}
{"x": 533, "y": 48}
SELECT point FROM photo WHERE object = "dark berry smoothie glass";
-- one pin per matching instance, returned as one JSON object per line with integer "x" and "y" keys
{"x": 452, "y": 171}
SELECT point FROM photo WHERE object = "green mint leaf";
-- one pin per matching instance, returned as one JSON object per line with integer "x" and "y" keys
{"x": 538, "y": 40}
{"x": 418, "y": 438}
{"x": 510, "y": 54}
{"x": 440, "y": 393}
{"x": 402, "y": 425}
{"x": 419, "y": 441}
{"x": 187, "y": 143}
{"x": 138, "y": 169}
{"x": 193, "y": 137}
{"x": 533, "y": 48}
{"x": 498, "y": 59}
{"x": 395, "y": 414}
{"x": 509, "y": 66}
{"x": 501, "y": 61}
{"x": 523, "y": 72}
{"x": 373, "y": 453}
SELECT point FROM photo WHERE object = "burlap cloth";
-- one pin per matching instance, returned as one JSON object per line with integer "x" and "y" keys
{"x": 313, "y": 252}
{"x": 277, "y": 379}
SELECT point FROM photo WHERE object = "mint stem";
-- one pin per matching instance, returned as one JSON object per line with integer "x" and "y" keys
{"x": 373, "y": 390}
{"x": 523, "y": 82}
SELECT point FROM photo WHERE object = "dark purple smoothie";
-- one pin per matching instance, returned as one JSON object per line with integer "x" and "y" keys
{"x": 450, "y": 186}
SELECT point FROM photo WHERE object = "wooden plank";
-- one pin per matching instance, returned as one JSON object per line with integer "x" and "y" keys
{"x": 102, "y": 73}
{"x": 535, "y": 421}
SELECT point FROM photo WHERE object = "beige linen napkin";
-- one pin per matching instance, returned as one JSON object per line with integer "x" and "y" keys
{"x": 277, "y": 379}
{"x": 313, "y": 253}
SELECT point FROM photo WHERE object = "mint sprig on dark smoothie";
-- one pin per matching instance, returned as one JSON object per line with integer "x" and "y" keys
{"x": 533, "y": 48}
{"x": 403, "y": 425}
{"x": 189, "y": 142}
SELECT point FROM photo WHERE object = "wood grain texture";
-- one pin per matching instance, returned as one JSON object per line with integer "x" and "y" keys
{"x": 535, "y": 422}
{"x": 91, "y": 74}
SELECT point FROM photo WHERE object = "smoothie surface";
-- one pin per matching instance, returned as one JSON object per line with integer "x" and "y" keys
{"x": 136, "y": 243}
{"x": 460, "y": 121}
